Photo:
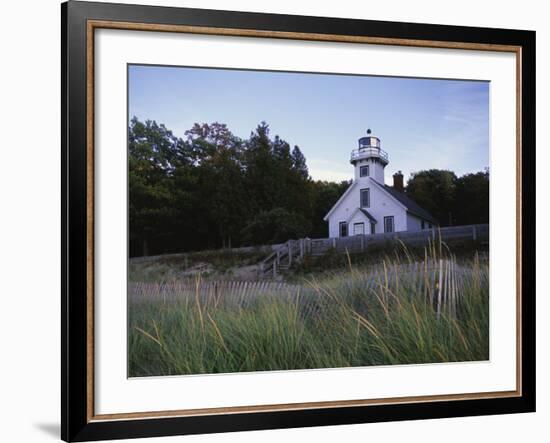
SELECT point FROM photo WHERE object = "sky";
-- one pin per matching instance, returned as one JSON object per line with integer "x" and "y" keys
{"x": 421, "y": 123}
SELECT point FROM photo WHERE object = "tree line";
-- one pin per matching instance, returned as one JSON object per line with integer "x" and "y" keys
{"x": 213, "y": 189}
{"x": 452, "y": 200}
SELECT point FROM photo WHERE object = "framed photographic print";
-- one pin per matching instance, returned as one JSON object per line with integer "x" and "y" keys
{"x": 276, "y": 221}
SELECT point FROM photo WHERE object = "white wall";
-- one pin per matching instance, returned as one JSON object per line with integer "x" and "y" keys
{"x": 376, "y": 169}
{"x": 359, "y": 217}
{"x": 381, "y": 205}
{"x": 414, "y": 223}
{"x": 29, "y": 226}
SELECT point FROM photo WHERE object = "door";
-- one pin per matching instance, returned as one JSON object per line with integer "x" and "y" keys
{"x": 359, "y": 229}
{"x": 343, "y": 229}
{"x": 388, "y": 224}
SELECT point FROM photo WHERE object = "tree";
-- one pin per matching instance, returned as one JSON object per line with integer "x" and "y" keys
{"x": 452, "y": 200}
{"x": 324, "y": 195}
{"x": 434, "y": 190}
{"x": 207, "y": 140}
{"x": 299, "y": 163}
{"x": 221, "y": 195}
{"x": 261, "y": 175}
{"x": 275, "y": 226}
{"x": 274, "y": 176}
{"x": 214, "y": 189}
{"x": 472, "y": 199}
{"x": 200, "y": 192}
{"x": 153, "y": 156}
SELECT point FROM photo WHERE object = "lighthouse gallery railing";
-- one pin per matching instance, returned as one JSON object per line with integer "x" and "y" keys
{"x": 360, "y": 153}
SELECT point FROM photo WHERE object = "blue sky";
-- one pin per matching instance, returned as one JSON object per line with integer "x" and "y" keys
{"x": 422, "y": 123}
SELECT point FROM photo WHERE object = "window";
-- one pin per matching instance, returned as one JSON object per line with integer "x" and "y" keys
{"x": 359, "y": 229}
{"x": 343, "y": 229}
{"x": 388, "y": 224}
{"x": 365, "y": 198}
{"x": 372, "y": 228}
{"x": 364, "y": 171}
{"x": 430, "y": 226}
{"x": 422, "y": 225}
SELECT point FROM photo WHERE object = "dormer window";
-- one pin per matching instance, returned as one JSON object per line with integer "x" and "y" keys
{"x": 364, "y": 171}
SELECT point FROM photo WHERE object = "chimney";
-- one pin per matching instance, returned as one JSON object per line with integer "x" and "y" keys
{"x": 398, "y": 181}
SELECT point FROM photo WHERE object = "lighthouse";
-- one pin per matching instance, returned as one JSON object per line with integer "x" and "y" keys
{"x": 369, "y": 159}
{"x": 369, "y": 206}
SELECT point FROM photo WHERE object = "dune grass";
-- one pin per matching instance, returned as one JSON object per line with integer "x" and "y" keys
{"x": 170, "y": 267}
{"x": 401, "y": 311}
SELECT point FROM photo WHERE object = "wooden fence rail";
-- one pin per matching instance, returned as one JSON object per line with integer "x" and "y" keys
{"x": 194, "y": 287}
{"x": 359, "y": 243}
{"x": 439, "y": 281}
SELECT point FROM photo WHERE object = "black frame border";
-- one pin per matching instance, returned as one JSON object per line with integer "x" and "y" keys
{"x": 74, "y": 421}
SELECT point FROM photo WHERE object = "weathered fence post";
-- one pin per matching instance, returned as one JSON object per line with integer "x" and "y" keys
{"x": 439, "y": 289}
{"x": 289, "y": 253}
{"x": 301, "y": 248}
{"x": 334, "y": 242}
{"x": 474, "y": 232}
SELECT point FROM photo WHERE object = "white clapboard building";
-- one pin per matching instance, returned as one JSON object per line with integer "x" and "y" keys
{"x": 369, "y": 206}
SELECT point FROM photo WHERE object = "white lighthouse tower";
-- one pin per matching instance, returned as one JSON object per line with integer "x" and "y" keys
{"x": 369, "y": 206}
{"x": 369, "y": 160}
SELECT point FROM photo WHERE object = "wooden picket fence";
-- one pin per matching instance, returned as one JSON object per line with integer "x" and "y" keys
{"x": 192, "y": 287}
{"x": 286, "y": 255}
{"x": 438, "y": 281}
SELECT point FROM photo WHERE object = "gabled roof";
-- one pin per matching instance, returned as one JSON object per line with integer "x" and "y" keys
{"x": 339, "y": 200}
{"x": 364, "y": 212}
{"x": 410, "y": 204}
{"x": 369, "y": 216}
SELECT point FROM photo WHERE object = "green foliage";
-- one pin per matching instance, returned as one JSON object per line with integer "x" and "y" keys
{"x": 220, "y": 194}
{"x": 325, "y": 195}
{"x": 154, "y": 155}
{"x": 213, "y": 190}
{"x": 275, "y": 226}
{"x": 434, "y": 191}
{"x": 275, "y": 177}
{"x": 450, "y": 199}
{"x": 472, "y": 199}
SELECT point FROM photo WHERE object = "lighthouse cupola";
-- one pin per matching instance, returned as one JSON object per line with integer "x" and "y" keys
{"x": 369, "y": 159}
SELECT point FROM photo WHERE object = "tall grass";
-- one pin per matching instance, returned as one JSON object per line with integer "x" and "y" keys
{"x": 401, "y": 311}
{"x": 170, "y": 267}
